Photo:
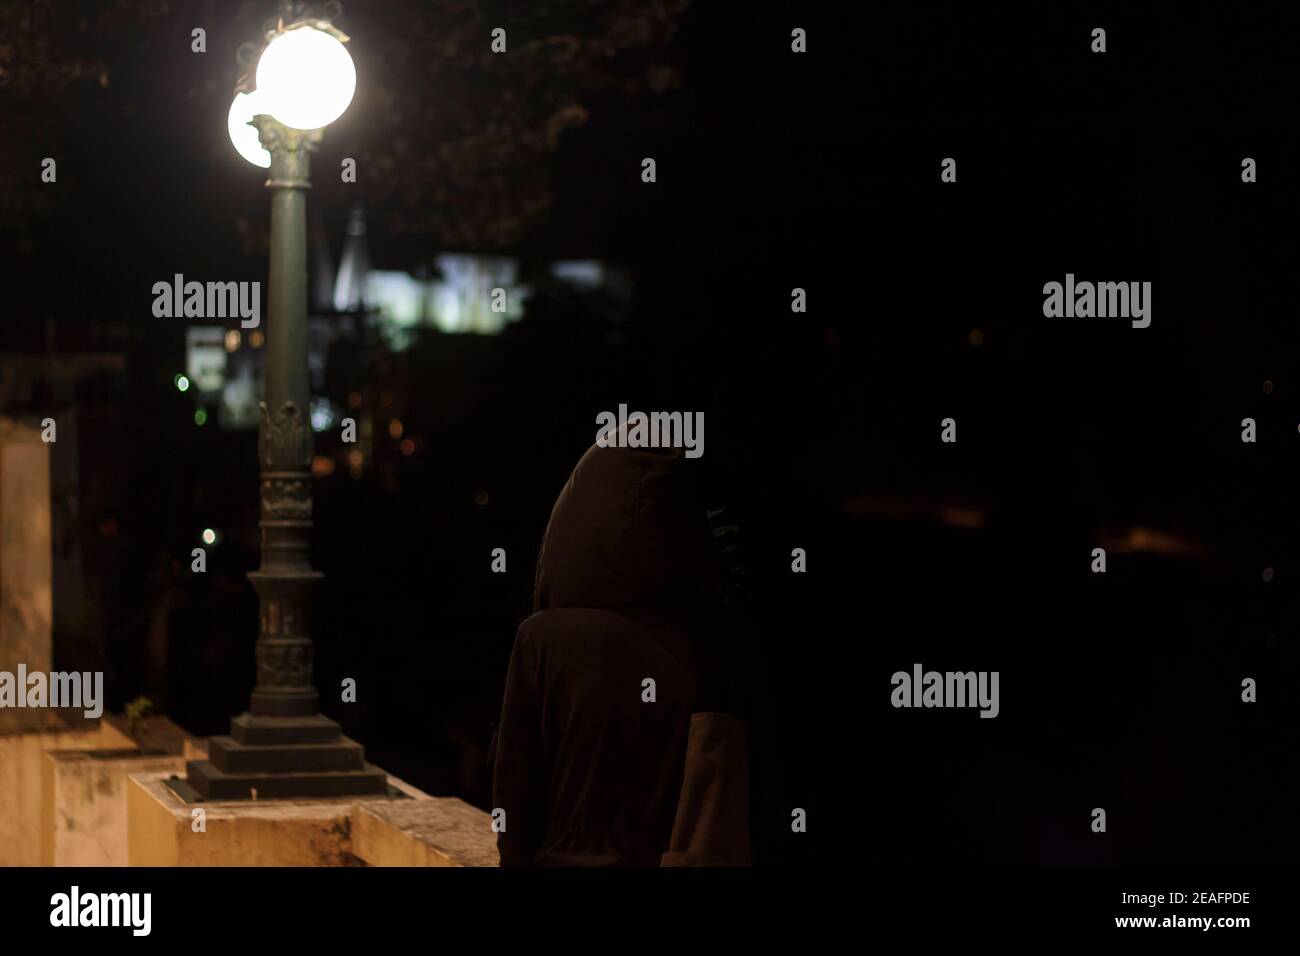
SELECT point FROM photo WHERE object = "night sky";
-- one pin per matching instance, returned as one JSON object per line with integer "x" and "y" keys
{"x": 775, "y": 170}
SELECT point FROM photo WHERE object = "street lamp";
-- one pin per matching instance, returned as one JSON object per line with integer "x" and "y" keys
{"x": 243, "y": 135}
{"x": 307, "y": 77}
{"x": 283, "y": 746}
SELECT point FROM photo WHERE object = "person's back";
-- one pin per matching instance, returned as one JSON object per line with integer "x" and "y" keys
{"x": 604, "y": 676}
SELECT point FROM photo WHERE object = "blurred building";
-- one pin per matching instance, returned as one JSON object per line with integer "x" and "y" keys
{"x": 369, "y": 308}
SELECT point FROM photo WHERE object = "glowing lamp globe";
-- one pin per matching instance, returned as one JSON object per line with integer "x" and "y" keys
{"x": 306, "y": 78}
{"x": 243, "y": 136}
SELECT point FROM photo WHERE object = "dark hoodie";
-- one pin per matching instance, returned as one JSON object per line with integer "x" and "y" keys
{"x": 587, "y": 771}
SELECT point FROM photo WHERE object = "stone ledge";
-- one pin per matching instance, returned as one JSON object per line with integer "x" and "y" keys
{"x": 439, "y": 831}
{"x": 312, "y": 832}
{"x": 156, "y": 734}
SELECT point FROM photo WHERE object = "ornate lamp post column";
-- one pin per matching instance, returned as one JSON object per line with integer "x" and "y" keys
{"x": 283, "y": 747}
{"x": 286, "y": 580}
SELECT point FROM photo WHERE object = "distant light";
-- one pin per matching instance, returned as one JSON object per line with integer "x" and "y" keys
{"x": 306, "y": 78}
{"x": 354, "y": 399}
{"x": 200, "y": 416}
{"x": 385, "y": 398}
{"x": 322, "y": 466}
{"x": 356, "y": 460}
{"x": 244, "y": 137}
{"x": 395, "y": 428}
{"x": 256, "y": 338}
{"x": 209, "y": 536}
{"x": 481, "y": 497}
{"x": 182, "y": 383}
{"x": 976, "y": 337}
{"x": 322, "y": 415}
{"x": 408, "y": 447}
{"x": 1268, "y": 387}
{"x": 232, "y": 340}
{"x": 585, "y": 273}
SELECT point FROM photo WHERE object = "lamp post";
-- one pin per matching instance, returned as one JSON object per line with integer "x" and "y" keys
{"x": 283, "y": 747}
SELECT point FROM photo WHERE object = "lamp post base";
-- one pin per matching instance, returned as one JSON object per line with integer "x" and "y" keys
{"x": 209, "y": 783}
{"x": 280, "y": 758}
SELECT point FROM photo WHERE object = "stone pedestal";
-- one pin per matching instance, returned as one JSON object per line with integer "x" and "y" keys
{"x": 413, "y": 829}
{"x": 164, "y": 830}
{"x": 265, "y": 758}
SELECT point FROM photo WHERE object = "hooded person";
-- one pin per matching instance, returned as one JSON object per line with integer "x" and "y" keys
{"x": 592, "y": 745}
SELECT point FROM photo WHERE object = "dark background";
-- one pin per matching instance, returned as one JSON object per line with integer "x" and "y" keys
{"x": 775, "y": 170}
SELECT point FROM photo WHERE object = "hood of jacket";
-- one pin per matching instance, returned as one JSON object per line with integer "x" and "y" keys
{"x": 628, "y": 532}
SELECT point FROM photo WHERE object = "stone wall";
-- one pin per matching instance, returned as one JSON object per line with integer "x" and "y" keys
{"x": 26, "y": 736}
{"x": 26, "y": 598}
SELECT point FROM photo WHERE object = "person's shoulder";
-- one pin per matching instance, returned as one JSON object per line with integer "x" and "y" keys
{"x": 579, "y": 630}
{"x": 556, "y": 620}
{"x": 530, "y": 629}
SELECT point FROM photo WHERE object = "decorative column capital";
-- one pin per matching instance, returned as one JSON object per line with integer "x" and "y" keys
{"x": 290, "y": 151}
